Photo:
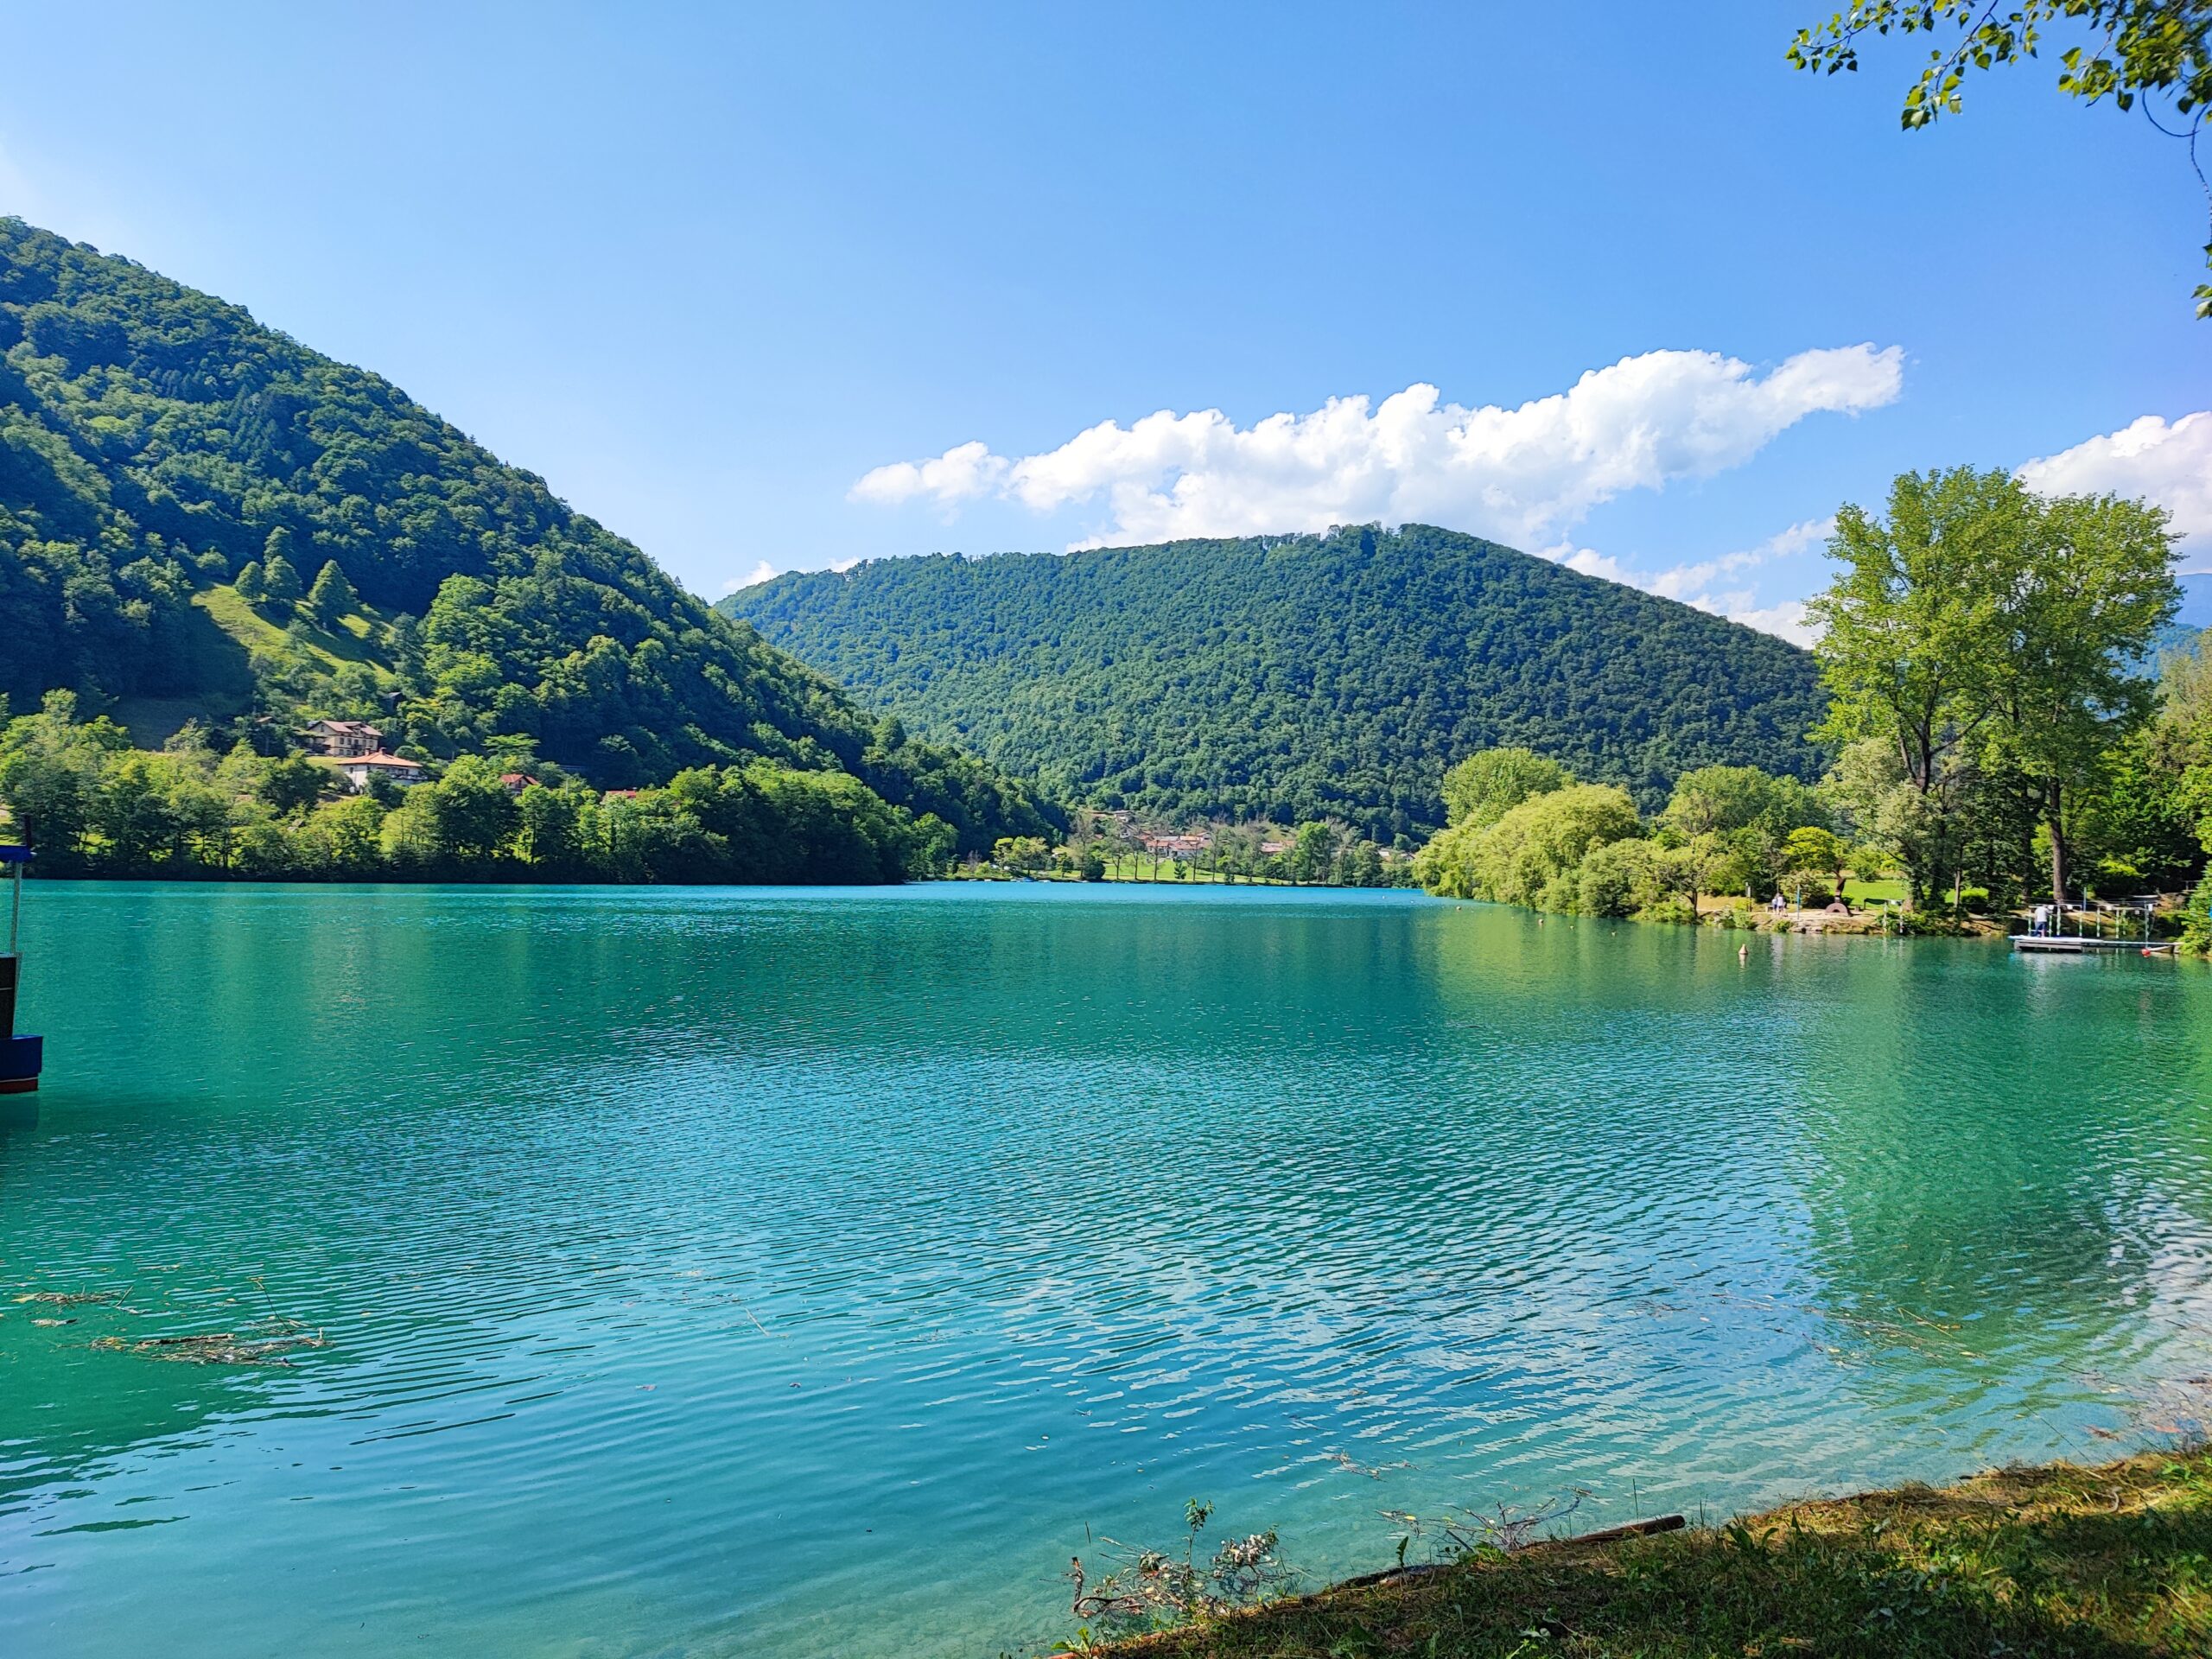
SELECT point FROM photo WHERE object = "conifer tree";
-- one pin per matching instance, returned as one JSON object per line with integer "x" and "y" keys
{"x": 279, "y": 580}
{"x": 332, "y": 595}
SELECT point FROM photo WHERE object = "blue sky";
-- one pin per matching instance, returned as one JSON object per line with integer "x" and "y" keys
{"x": 705, "y": 269}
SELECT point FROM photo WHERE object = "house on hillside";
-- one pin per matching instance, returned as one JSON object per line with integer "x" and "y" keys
{"x": 1187, "y": 846}
{"x": 515, "y": 782}
{"x": 343, "y": 738}
{"x": 357, "y": 769}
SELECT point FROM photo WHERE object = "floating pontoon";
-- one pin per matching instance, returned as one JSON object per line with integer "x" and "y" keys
{"x": 2123, "y": 924}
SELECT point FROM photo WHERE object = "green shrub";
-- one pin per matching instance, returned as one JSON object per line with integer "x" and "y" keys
{"x": 2196, "y": 924}
{"x": 1934, "y": 922}
{"x": 1619, "y": 878}
{"x": 1560, "y": 894}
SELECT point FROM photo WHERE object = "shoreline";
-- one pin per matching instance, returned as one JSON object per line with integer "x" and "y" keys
{"x": 2055, "y": 1558}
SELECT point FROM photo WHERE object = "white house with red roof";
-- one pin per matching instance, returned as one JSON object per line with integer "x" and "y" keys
{"x": 359, "y": 769}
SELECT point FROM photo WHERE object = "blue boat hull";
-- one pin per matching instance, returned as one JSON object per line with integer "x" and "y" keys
{"x": 21, "y": 1058}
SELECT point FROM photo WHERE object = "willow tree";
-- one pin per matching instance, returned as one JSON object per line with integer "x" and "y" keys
{"x": 1489, "y": 783}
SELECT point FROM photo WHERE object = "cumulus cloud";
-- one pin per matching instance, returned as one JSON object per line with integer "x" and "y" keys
{"x": 761, "y": 572}
{"x": 961, "y": 474}
{"x": 2168, "y": 465}
{"x": 1785, "y": 621}
{"x": 1694, "y": 583}
{"x": 1516, "y": 474}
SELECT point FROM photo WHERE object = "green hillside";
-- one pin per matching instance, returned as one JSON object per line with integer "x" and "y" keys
{"x": 159, "y": 449}
{"x": 1294, "y": 677}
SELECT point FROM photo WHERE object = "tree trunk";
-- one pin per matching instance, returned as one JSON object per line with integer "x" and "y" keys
{"x": 2058, "y": 847}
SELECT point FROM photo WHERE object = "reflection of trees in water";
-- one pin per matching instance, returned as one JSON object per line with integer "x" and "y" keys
{"x": 2002, "y": 1165}
{"x": 1974, "y": 1159}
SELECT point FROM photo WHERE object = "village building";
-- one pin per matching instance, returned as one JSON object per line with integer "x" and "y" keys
{"x": 343, "y": 738}
{"x": 359, "y": 769}
{"x": 1180, "y": 846}
{"x": 515, "y": 782}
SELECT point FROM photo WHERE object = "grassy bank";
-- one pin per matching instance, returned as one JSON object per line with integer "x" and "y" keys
{"x": 2058, "y": 1561}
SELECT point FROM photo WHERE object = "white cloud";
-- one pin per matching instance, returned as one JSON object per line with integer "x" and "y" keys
{"x": 842, "y": 565}
{"x": 2168, "y": 465}
{"x": 761, "y": 572}
{"x": 1692, "y": 583}
{"x": 1517, "y": 474}
{"x": 961, "y": 472}
{"x": 1786, "y": 621}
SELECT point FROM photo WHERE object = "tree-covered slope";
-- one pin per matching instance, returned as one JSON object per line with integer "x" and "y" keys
{"x": 1298, "y": 676}
{"x": 155, "y": 441}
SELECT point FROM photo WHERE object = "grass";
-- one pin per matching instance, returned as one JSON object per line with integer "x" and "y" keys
{"x": 152, "y": 721}
{"x": 327, "y": 650}
{"x": 1874, "y": 893}
{"x": 2096, "y": 1563}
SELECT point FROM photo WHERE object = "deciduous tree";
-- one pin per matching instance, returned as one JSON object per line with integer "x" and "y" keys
{"x": 2154, "y": 54}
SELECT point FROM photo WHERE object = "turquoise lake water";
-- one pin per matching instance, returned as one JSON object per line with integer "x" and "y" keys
{"x": 784, "y": 1273}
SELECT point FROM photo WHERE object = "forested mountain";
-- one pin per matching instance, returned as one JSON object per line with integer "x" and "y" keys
{"x": 1295, "y": 676}
{"x": 2196, "y": 613}
{"x": 173, "y": 475}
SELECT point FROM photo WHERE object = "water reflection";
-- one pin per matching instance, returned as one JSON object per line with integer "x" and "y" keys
{"x": 698, "y": 1267}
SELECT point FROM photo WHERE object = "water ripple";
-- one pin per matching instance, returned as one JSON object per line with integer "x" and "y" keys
{"x": 789, "y": 1273}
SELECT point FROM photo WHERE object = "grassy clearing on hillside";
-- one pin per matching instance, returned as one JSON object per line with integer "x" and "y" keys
{"x": 328, "y": 650}
{"x": 2059, "y": 1560}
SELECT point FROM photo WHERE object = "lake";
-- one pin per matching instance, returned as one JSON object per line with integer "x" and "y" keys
{"x": 777, "y": 1272}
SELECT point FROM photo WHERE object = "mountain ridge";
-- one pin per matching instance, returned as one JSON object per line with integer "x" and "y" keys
{"x": 1294, "y": 677}
{"x": 155, "y": 441}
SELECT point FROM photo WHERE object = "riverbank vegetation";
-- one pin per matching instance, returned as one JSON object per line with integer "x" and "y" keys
{"x": 94, "y": 805}
{"x": 201, "y": 519}
{"x": 2004, "y": 728}
{"x": 1113, "y": 846}
{"x": 2056, "y": 1561}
